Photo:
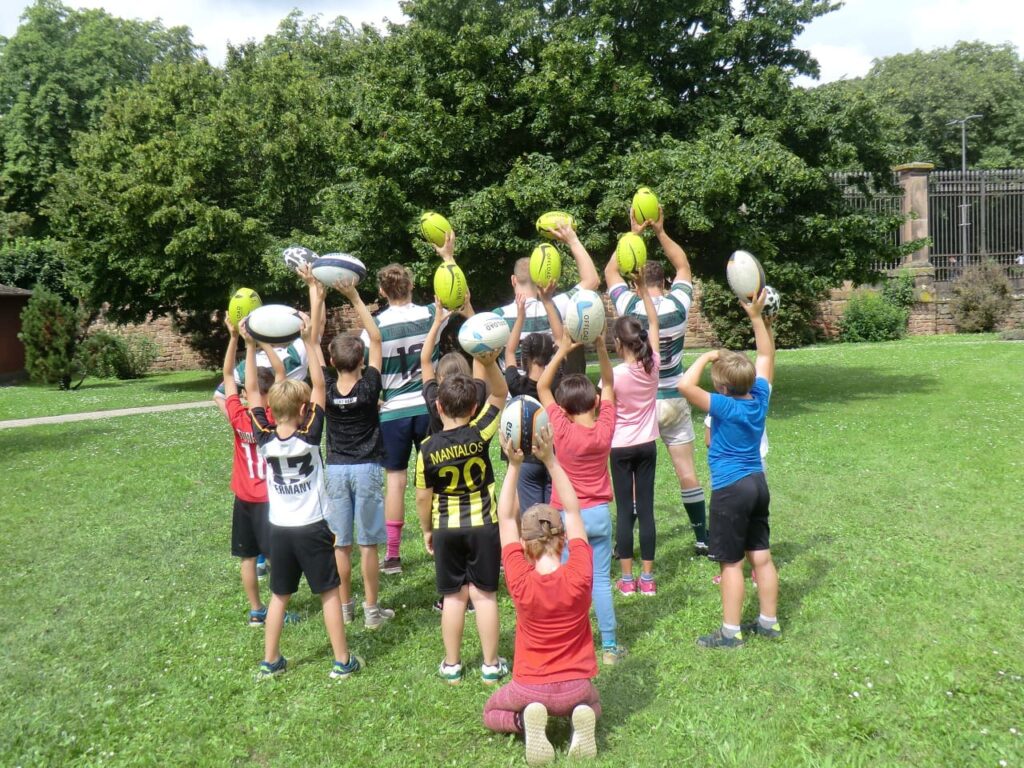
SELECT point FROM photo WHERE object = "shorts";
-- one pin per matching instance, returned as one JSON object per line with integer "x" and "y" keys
{"x": 250, "y": 528}
{"x": 399, "y": 436}
{"x": 466, "y": 556}
{"x": 739, "y": 519}
{"x": 674, "y": 422}
{"x": 303, "y": 549}
{"x": 355, "y": 492}
{"x": 534, "y": 485}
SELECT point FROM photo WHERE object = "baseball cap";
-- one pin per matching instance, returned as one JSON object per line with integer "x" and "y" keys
{"x": 541, "y": 521}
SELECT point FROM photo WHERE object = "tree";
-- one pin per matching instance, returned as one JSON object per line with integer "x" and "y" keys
{"x": 49, "y": 331}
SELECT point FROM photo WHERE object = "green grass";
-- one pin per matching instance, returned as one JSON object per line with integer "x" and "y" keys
{"x": 895, "y": 471}
{"x": 27, "y": 401}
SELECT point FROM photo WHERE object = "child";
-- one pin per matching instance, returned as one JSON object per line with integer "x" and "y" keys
{"x": 554, "y": 660}
{"x": 634, "y": 445}
{"x": 355, "y": 477}
{"x": 537, "y": 350}
{"x": 583, "y": 423}
{"x": 249, "y": 522}
{"x": 301, "y": 543}
{"x": 449, "y": 364}
{"x": 455, "y": 501}
{"x": 739, "y": 491}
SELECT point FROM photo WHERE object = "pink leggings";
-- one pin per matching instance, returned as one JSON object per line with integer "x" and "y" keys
{"x": 560, "y": 698}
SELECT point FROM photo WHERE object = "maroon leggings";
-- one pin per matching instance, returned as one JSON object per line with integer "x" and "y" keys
{"x": 560, "y": 698}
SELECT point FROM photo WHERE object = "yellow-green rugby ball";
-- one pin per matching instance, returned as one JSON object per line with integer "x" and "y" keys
{"x": 244, "y": 301}
{"x": 645, "y": 205}
{"x": 630, "y": 254}
{"x": 548, "y": 221}
{"x": 434, "y": 227}
{"x": 545, "y": 265}
{"x": 450, "y": 285}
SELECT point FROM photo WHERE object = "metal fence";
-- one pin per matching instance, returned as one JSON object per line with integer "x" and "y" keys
{"x": 975, "y": 216}
{"x": 861, "y": 191}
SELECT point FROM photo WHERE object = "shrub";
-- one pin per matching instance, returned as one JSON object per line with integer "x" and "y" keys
{"x": 869, "y": 317}
{"x": 1014, "y": 334}
{"x": 981, "y": 297}
{"x": 142, "y": 352}
{"x": 102, "y": 355}
{"x": 793, "y": 326}
{"x": 49, "y": 331}
{"x": 899, "y": 290}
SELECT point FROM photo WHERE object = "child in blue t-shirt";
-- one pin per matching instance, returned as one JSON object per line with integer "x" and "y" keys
{"x": 739, "y": 490}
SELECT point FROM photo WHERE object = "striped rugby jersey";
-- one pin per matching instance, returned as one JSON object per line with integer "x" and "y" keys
{"x": 404, "y": 329}
{"x": 536, "y": 316}
{"x": 673, "y": 311}
{"x": 294, "y": 357}
{"x": 456, "y": 464}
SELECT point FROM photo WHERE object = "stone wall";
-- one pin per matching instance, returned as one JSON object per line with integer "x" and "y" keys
{"x": 175, "y": 353}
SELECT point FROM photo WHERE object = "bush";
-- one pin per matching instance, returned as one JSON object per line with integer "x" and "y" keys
{"x": 106, "y": 355}
{"x": 49, "y": 331}
{"x": 899, "y": 290}
{"x": 869, "y": 317}
{"x": 1014, "y": 334}
{"x": 793, "y": 326}
{"x": 142, "y": 353}
{"x": 981, "y": 297}
{"x": 26, "y": 262}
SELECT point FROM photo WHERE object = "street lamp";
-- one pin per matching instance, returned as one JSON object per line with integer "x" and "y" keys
{"x": 963, "y": 189}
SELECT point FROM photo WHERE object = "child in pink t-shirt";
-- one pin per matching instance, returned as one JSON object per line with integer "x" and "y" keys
{"x": 634, "y": 453}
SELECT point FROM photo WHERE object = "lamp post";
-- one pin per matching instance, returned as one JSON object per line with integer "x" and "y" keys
{"x": 962, "y": 122}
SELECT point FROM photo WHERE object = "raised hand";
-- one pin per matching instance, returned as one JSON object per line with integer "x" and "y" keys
{"x": 544, "y": 444}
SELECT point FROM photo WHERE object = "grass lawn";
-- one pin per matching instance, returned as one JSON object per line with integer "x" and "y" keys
{"x": 27, "y": 401}
{"x": 895, "y": 471}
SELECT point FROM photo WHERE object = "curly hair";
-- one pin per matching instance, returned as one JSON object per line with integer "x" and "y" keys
{"x": 395, "y": 281}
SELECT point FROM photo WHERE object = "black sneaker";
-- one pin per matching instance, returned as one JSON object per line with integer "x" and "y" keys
{"x": 717, "y": 639}
{"x": 268, "y": 670}
{"x": 773, "y": 632}
{"x": 340, "y": 671}
{"x": 392, "y": 566}
{"x": 700, "y": 549}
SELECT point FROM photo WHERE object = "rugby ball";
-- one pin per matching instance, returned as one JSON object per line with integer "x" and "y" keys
{"x": 545, "y": 265}
{"x": 584, "y": 316}
{"x": 630, "y": 254}
{"x": 434, "y": 227}
{"x": 483, "y": 333}
{"x": 521, "y": 420}
{"x": 332, "y": 267}
{"x": 450, "y": 285}
{"x": 296, "y": 255}
{"x": 548, "y": 221}
{"x": 276, "y": 324}
{"x": 745, "y": 275}
{"x": 645, "y": 205}
{"x": 242, "y": 303}
{"x": 772, "y": 302}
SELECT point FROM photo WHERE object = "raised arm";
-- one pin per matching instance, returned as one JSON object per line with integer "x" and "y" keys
{"x": 516, "y": 333}
{"x": 430, "y": 342}
{"x": 228, "y": 371}
{"x": 276, "y": 364}
{"x": 496, "y": 384}
{"x": 689, "y": 385}
{"x": 347, "y": 288}
{"x": 316, "y": 371}
{"x": 607, "y": 374}
{"x": 673, "y": 251}
{"x": 508, "y": 510}
{"x": 543, "y": 449}
{"x": 547, "y": 294}
{"x": 252, "y": 384}
{"x": 612, "y": 277}
{"x": 565, "y": 346}
{"x": 653, "y": 324}
{"x": 317, "y": 317}
{"x": 764, "y": 364}
{"x": 589, "y": 278}
{"x": 447, "y": 251}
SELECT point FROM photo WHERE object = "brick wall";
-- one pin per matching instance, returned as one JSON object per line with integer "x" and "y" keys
{"x": 175, "y": 353}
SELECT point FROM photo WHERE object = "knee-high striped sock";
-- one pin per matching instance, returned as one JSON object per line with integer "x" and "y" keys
{"x": 394, "y": 532}
{"x": 693, "y": 503}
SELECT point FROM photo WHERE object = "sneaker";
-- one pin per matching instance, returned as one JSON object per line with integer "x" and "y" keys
{"x": 450, "y": 673}
{"x": 439, "y": 604}
{"x": 753, "y": 578}
{"x": 626, "y": 588}
{"x": 492, "y": 673}
{"x": 392, "y": 566}
{"x": 375, "y": 617}
{"x": 535, "y": 726}
{"x": 700, "y": 549}
{"x": 648, "y": 587}
{"x": 774, "y": 631}
{"x": 717, "y": 579}
{"x": 340, "y": 671}
{"x": 613, "y": 654}
{"x": 268, "y": 670}
{"x": 258, "y": 618}
{"x": 348, "y": 611}
{"x": 583, "y": 743}
{"x": 262, "y": 567}
{"x": 469, "y": 607}
{"x": 718, "y": 640}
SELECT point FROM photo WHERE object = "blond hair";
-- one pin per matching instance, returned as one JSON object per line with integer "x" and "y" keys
{"x": 287, "y": 397}
{"x": 521, "y": 271}
{"x": 395, "y": 281}
{"x": 733, "y": 372}
{"x": 451, "y": 364}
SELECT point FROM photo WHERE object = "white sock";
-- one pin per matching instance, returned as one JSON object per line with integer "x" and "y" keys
{"x": 767, "y": 621}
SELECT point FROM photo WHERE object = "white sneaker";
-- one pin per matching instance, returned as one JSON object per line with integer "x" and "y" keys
{"x": 348, "y": 611}
{"x": 584, "y": 743}
{"x": 376, "y": 617}
{"x": 535, "y": 723}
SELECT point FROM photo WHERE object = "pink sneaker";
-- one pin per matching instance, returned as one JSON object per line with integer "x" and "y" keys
{"x": 626, "y": 588}
{"x": 753, "y": 578}
{"x": 648, "y": 587}
{"x": 717, "y": 579}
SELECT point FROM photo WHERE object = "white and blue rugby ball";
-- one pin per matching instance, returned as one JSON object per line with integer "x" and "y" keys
{"x": 521, "y": 420}
{"x": 275, "y": 324}
{"x": 585, "y": 316}
{"x": 483, "y": 333}
{"x": 296, "y": 255}
{"x": 332, "y": 267}
{"x": 745, "y": 275}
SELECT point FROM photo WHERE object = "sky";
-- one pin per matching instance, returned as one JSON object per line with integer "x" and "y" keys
{"x": 844, "y": 42}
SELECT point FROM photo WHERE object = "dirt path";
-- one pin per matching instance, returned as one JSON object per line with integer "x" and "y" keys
{"x": 92, "y": 415}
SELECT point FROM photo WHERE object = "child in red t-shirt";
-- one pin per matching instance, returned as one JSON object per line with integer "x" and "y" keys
{"x": 249, "y": 524}
{"x": 554, "y": 660}
{"x": 583, "y": 425}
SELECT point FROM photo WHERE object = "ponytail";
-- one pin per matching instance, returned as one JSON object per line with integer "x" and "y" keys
{"x": 538, "y": 348}
{"x": 633, "y": 336}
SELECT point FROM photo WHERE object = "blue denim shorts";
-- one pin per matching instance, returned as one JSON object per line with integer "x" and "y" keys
{"x": 355, "y": 492}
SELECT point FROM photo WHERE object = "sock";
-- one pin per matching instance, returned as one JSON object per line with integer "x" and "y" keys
{"x": 693, "y": 503}
{"x": 767, "y": 622}
{"x": 647, "y": 576}
{"x": 394, "y": 530}
{"x": 730, "y": 630}
{"x": 626, "y": 578}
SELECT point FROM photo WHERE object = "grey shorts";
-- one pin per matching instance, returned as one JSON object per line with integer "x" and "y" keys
{"x": 355, "y": 494}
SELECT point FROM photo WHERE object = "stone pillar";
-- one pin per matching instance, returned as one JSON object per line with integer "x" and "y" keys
{"x": 913, "y": 180}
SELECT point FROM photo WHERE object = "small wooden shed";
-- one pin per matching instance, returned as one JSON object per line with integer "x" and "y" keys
{"x": 12, "y": 352}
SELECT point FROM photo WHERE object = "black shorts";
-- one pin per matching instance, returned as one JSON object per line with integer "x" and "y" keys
{"x": 399, "y": 437}
{"x": 250, "y": 528}
{"x": 466, "y": 556}
{"x": 739, "y": 519}
{"x": 305, "y": 549}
